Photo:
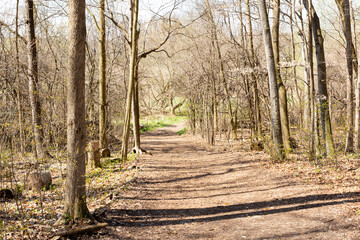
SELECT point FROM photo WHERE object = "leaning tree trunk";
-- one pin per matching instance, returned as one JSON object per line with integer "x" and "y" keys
{"x": 102, "y": 77}
{"x": 274, "y": 93}
{"x": 282, "y": 90}
{"x": 322, "y": 86}
{"x": 133, "y": 61}
{"x": 75, "y": 188}
{"x": 33, "y": 80}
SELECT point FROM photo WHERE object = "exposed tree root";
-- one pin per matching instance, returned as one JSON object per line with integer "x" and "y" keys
{"x": 138, "y": 150}
{"x": 81, "y": 230}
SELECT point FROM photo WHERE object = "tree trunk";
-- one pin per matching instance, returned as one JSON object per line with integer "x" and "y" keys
{"x": 33, "y": 80}
{"x": 274, "y": 93}
{"x": 75, "y": 188}
{"x": 311, "y": 82}
{"x": 344, "y": 9}
{"x": 136, "y": 113}
{"x": 306, "y": 49}
{"x": 132, "y": 65}
{"x": 19, "y": 95}
{"x": 282, "y": 91}
{"x": 252, "y": 62}
{"x": 102, "y": 77}
{"x": 357, "y": 88}
{"x": 357, "y": 113}
{"x": 245, "y": 78}
{"x": 174, "y": 107}
{"x": 322, "y": 87}
{"x": 293, "y": 56}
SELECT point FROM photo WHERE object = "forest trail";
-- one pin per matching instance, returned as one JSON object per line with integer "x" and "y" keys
{"x": 187, "y": 191}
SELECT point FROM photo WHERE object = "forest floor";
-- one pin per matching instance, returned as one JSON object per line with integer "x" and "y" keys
{"x": 187, "y": 190}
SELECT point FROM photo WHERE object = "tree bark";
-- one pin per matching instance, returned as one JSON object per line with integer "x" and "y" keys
{"x": 133, "y": 61}
{"x": 33, "y": 80}
{"x": 306, "y": 50}
{"x": 357, "y": 113}
{"x": 75, "y": 188}
{"x": 102, "y": 77}
{"x": 344, "y": 9}
{"x": 322, "y": 86}
{"x": 282, "y": 90}
{"x": 19, "y": 95}
{"x": 293, "y": 58}
{"x": 341, "y": 7}
{"x": 356, "y": 67}
{"x": 136, "y": 114}
{"x": 274, "y": 93}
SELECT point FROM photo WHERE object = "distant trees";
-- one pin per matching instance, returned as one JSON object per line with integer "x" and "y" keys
{"x": 220, "y": 64}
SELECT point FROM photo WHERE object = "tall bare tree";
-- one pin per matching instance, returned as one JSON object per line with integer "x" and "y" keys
{"x": 274, "y": 91}
{"x": 284, "y": 115}
{"x": 34, "y": 80}
{"x": 102, "y": 77}
{"x": 75, "y": 189}
{"x": 19, "y": 94}
{"x": 136, "y": 112}
{"x": 322, "y": 83}
{"x": 344, "y": 9}
{"x": 134, "y": 8}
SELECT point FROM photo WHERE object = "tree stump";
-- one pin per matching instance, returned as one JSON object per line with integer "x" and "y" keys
{"x": 105, "y": 152}
{"x": 40, "y": 180}
{"x": 6, "y": 194}
{"x": 94, "y": 154}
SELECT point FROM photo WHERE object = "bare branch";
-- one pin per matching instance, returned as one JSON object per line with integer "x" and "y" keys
{"x": 12, "y": 31}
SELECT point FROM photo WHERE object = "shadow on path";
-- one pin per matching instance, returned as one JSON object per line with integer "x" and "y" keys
{"x": 148, "y": 217}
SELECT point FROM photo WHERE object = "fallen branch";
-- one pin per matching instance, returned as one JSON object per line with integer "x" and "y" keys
{"x": 81, "y": 230}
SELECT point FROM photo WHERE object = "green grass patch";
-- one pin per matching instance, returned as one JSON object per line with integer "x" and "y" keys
{"x": 160, "y": 121}
{"x": 181, "y": 132}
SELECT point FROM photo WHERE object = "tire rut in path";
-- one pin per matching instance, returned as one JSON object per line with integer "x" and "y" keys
{"x": 185, "y": 191}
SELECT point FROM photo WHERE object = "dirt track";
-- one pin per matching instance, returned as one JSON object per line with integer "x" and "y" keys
{"x": 185, "y": 191}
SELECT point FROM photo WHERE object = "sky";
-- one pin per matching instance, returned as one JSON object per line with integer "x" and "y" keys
{"x": 147, "y": 7}
{"x": 56, "y": 9}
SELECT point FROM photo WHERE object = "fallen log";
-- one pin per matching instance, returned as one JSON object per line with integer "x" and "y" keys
{"x": 81, "y": 230}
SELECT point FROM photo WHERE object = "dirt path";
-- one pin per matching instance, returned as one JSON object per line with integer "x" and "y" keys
{"x": 185, "y": 191}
